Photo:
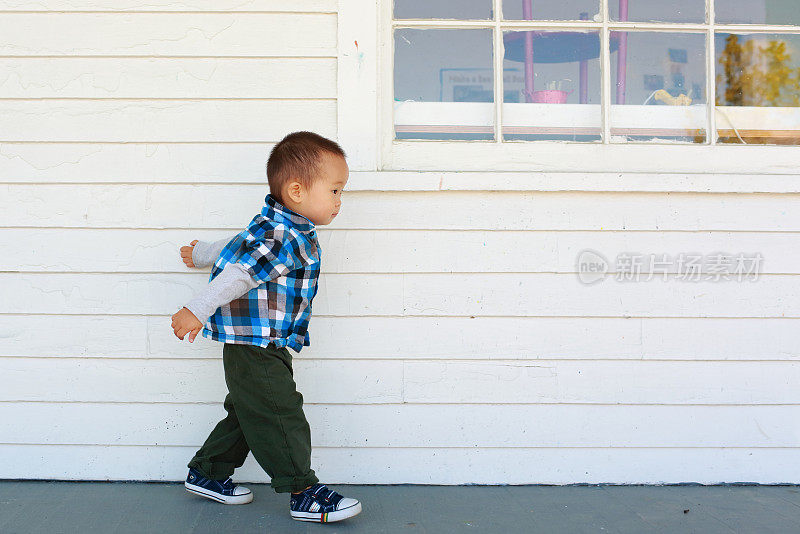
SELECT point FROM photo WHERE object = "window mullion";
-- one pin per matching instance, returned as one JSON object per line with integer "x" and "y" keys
{"x": 711, "y": 79}
{"x": 605, "y": 74}
{"x": 498, "y": 72}
{"x": 386, "y": 81}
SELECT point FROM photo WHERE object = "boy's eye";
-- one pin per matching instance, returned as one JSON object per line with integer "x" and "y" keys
{"x": 335, "y": 190}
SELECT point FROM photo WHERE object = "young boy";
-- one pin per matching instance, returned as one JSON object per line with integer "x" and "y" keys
{"x": 258, "y": 303}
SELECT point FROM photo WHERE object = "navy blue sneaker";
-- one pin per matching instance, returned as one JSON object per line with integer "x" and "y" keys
{"x": 322, "y": 505}
{"x": 224, "y": 491}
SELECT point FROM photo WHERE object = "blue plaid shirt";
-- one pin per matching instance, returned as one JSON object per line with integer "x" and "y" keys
{"x": 279, "y": 248}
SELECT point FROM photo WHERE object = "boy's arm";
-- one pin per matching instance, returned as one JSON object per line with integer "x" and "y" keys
{"x": 264, "y": 258}
{"x": 230, "y": 284}
{"x": 205, "y": 253}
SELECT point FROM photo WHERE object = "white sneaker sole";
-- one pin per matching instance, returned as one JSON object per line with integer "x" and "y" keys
{"x": 328, "y": 517}
{"x": 224, "y": 499}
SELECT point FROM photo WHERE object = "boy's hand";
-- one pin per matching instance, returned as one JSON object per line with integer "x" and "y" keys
{"x": 186, "y": 255}
{"x": 185, "y": 322}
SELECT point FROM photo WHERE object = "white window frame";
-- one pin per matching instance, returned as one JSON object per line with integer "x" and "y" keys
{"x": 366, "y": 126}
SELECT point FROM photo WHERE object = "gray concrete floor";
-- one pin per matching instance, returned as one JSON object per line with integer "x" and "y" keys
{"x": 122, "y": 507}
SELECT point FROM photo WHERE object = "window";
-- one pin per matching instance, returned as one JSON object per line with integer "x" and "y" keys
{"x": 504, "y": 73}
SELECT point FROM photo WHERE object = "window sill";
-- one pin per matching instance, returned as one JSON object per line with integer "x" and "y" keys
{"x": 567, "y": 157}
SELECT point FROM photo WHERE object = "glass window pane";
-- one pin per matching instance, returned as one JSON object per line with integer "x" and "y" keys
{"x": 443, "y": 84}
{"x": 657, "y": 10}
{"x": 658, "y": 87}
{"x": 758, "y": 88}
{"x": 549, "y": 10}
{"x": 443, "y": 9}
{"x": 551, "y": 86}
{"x": 757, "y": 12}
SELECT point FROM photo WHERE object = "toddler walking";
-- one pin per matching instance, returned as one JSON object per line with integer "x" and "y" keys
{"x": 258, "y": 303}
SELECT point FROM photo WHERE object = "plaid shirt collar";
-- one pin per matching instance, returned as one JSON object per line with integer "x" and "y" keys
{"x": 278, "y": 212}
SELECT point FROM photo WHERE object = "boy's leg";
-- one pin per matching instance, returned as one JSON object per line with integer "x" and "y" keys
{"x": 270, "y": 412}
{"x": 225, "y": 448}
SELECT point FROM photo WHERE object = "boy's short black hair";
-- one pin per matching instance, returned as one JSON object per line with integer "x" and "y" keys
{"x": 297, "y": 157}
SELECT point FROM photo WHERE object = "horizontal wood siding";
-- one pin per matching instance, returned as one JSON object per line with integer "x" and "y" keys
{"x": 452, "y": 341}
{"x": 153, "y": 206}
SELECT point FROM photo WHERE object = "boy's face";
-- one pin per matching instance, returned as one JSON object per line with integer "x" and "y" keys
{"x": 322, "y": 202}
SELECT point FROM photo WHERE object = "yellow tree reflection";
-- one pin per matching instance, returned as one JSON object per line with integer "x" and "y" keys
{"x": 756, "y": 75}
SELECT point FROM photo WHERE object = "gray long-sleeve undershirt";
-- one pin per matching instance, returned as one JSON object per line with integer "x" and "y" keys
{"x": 205, "y": 253}
{"x": 230, "y": 284}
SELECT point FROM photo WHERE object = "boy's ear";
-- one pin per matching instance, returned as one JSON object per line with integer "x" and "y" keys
{"x": 295, "y": 191}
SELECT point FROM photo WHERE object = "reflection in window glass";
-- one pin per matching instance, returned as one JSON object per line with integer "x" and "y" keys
{"x": 754, "y": 72}
{"x": 443, "y": 9}
{"x": 757, "y": 12}
{"x": 658, "y": 85}
{"x": 548, "y": 10}
{"x": 657, "y": 11}
{"x": 551, "y": 88}
{"x": 443, "y": 66}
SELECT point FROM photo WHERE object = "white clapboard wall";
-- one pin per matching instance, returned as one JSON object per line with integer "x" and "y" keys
{"x": 451, "y": 339}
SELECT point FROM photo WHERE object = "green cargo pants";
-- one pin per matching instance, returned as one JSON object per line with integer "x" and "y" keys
{"x": 265, "y": 416}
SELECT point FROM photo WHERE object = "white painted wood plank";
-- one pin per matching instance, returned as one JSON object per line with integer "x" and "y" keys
{"x": 222, "y": 206}
{"x": 155, "y": 380}
{"x": 124, "y": 205}
{"x": 135, "y": 162}
{"x": 428, "y": 465}
{"x": 619, "y": 382}
{"x": 169, "y": 5}
{"x": 160, "y": 78}
{"x": 427, "y": 382}
{"x": 590, "y": 180}
{"x": 123, "y": 120}
{"x": 721, "y": 338}
{"x": 618, "y": 181}
{"x": 512, "y": 294}
{"x": 473, "y": 294}
{"x": 359, "y": 426}
{"x": 563, "y": 210}
{"x": 526, "y": 338}
{"x": 77, "y": 335}
{"x": 393, "y": 251}
{"x": 166, "y": 294}
{"x": 168, "y": 34}
{"x": 73, "y": 250}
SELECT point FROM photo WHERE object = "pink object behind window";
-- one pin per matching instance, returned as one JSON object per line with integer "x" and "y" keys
{"x": 550, "y": 96}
